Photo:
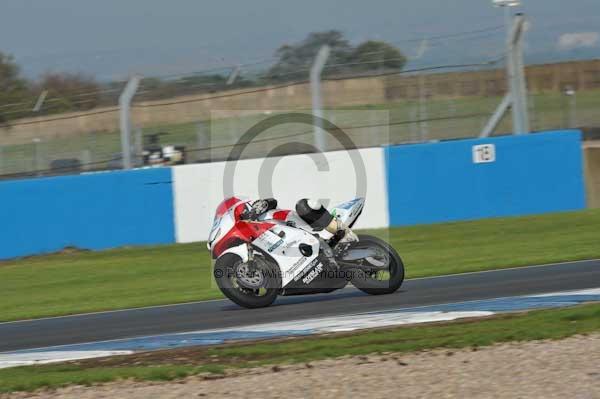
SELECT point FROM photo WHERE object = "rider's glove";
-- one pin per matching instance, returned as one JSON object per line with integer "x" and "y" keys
{"x": 259, "y": 207}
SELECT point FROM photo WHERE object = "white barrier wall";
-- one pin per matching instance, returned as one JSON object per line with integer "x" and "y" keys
{"x": 198, "y": 189}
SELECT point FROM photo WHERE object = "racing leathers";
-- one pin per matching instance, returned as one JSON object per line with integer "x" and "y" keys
{"x": 311, "y": 212}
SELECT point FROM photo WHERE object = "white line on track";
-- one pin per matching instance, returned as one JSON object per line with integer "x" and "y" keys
{"x": 505, "y": 269}
{"x": 302, "y": 322}
{"x": 30, "y": 359}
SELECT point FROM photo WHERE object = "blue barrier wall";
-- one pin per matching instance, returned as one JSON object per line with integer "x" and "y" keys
{"x": 438, "y": 182}
{"x": 93, "y": 211}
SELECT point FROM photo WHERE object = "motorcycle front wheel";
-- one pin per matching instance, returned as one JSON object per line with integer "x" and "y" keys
{"x": 380, "y": 271}
{"x": 250, "y": 286}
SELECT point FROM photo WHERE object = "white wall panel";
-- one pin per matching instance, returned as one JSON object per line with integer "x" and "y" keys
{"x": 198, "y": 189}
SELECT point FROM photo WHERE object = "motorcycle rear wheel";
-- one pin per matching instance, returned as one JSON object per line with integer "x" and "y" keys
{"x": 369, "y": 282}
{"x": 227, "y": 279}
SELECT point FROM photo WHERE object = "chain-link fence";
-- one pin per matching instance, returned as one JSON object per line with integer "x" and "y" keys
{"x": 438, "y": 102}
{"x": 422, "y": 106}
{"x": 42, "y": 142}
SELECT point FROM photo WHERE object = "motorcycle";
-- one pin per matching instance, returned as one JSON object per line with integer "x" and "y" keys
{"x": 281, "y": 254}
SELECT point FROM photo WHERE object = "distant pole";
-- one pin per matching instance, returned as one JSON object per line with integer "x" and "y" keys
{"x": 532, "y": 111}
{"x": 40, "y": 101}
{"x": 413, "y": 117}
{"x": 317, "y": 101}
{"x": 423, "y": 114}
{"x": 37, "y": 156}
{"x": 125, "y": 118}
{"x": 233, "y": 76}
{"x": 202, "y": 141}
{"x": 571, "y": 95}
{"x": 86, "y": 158}
{"x": 92, "y": 145}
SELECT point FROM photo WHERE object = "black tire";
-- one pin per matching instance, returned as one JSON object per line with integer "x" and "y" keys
{"x": 225, "y": 269}
{"x": 371, "y": 286}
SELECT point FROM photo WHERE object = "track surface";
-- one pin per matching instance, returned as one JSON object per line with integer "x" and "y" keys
{"x": 224, "y": 314}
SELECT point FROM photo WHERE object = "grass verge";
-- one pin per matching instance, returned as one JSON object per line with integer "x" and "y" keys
{"x": 168, "y": 365}
{"x": 80, "y": 282}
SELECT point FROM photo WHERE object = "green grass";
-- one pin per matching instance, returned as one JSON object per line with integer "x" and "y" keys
{"x": 498, "y": 243}
{"x": 546, "y": 324}
{"x": 80, "y": 282}
{"x": 32, "y": 378}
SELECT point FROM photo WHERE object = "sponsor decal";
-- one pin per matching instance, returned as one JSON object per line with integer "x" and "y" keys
{"x": 296, "y": 265}
{"x": 307, "y": 268}
{"x": 268, "y": 239}
{"x": 355, "y": 212}
{"x": 313, "y": 274}
{"x": 292, "y": 243}
{"x": 275, "y": 246}
{"x": 349, "y": 204}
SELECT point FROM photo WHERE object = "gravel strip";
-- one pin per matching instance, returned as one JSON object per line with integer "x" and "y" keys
{"x": 569, "y": 368}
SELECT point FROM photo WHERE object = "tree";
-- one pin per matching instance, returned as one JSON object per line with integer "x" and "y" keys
{"x": 13, "y": 89}
{"x": 70, "y": 92}
{"x": 155, "y": 88}
{"x": 294, "y": 60}
{"x": 372, "y": 55}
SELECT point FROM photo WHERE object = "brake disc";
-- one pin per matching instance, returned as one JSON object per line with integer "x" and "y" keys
{"x": 248, "y": 278}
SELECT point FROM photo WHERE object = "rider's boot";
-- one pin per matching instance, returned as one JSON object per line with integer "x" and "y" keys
{"x": 315, "y": 214}
{"x": 342, "y": 232}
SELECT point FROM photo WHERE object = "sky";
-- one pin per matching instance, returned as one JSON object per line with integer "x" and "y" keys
{"x": 111, "y": 39}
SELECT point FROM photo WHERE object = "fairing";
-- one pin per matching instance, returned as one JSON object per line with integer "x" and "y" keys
{"x": 273, "y": 237}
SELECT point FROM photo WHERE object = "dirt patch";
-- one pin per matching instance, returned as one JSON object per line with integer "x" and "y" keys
{"x": 569, "y": 368}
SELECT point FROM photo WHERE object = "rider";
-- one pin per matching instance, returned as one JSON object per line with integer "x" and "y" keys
{"x": 310, "y": 211}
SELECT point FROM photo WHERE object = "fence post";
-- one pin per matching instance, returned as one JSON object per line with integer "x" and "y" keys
{"x": 92, "y": 145}
{"x": 535, "y": 123}
{"x": 516, "y": 97}
{"x": 413, "y": 117}
{"x": 40, "y": 101}
{"x": 139, "y": 146}
{"x": 516, "y": 73}
{"x": 423, "y": 114}
{"x": 125, "y": 118}
{"x": 572, "y": 96}
{"x": 37, "y": 156}
{"x": 317, "y": 100}
{"x": 86, "y": 159}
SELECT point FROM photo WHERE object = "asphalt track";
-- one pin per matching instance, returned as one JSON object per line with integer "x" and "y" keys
{"x": 223, "y": 314}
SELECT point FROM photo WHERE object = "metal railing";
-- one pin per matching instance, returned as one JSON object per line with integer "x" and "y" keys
{"x": 429, "y": 103}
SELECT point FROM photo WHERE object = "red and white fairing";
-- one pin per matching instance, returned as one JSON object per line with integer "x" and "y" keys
{"x": 272, "y": 235}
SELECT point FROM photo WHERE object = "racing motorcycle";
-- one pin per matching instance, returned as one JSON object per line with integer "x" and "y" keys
{"x": 281, "y": 254}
